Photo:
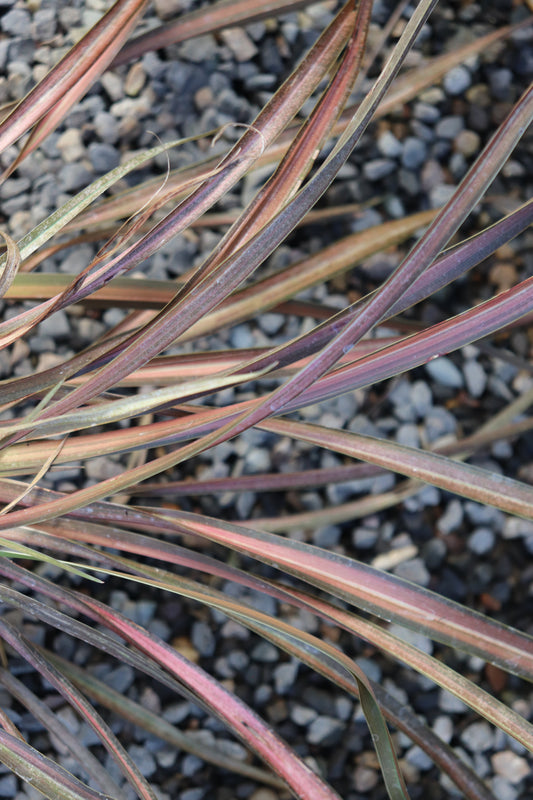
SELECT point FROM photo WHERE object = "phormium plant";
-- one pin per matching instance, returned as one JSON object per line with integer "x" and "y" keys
{"x": 148, "y": 388}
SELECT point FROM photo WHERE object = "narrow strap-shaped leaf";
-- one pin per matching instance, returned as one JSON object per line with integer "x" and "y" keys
{"x": 239, "y": 718}
{"x": 40, "y": 772}
{"x": 54, "y": 725}
{"x": 31, "y": 654}
{"x": 105, "y": 37}
{"x": 382, "y": 594}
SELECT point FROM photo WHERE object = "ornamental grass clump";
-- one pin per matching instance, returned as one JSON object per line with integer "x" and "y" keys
{"x": 159, "y": 387}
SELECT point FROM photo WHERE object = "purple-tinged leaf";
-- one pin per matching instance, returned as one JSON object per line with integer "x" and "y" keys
{"x": 68, "y": 741}
{"x": 99, "y": 45}
{"x": 40, "y": 772}
{"x": 31, "y": 654}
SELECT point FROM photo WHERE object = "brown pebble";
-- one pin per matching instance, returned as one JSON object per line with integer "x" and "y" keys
{"x": 135, "y": 80}
{"x": 503, "y": 275}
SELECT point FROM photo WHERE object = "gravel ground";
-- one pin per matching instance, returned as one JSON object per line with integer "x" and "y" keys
{"x": 412, "y": 161}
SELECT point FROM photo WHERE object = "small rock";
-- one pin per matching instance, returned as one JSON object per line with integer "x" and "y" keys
{"x": 203, "y": 639}
{"x": 365, "y": 779}
{"x": 449, "y": 127}
{"x": 70, "y": 145}
{"x": 478, "y": 737}
{"x": 104, "y": 157}
{"x": 413, "y": 570}
{"x": 135, "y": 79}
{"x": 73, "y": 177}
{"x": 457, "y": 80}
{"x": 8, "y": 785}
{"x": 285, "y": 676}
{"x": 16, "y": 22}
{"x": 510, "y": 766}
{"x": 56, "y": 326}
{"x": 325, "y": 730}
{"x": 378, "y": 168}
{"x": 264, "y": 794}
{"x": 414, "y": 153}
{"x": 44, "y": 24}
{"x": 240, "y": 44}
{"x": 388, "y": 145}
{"x": 364, "y": 538}
{"x": 481, "y": 541}
{"x": 450, "y": 703}
{"x": 426, "y": 112}
{"x": 442, "y": 370}
{"x": 265, "y": 653}
{"x": 443, "y": 727}
{"x": 467, "y": 143}
{"x": 439, "y": 195}
{"x": 419, "y": 759}
{"x": 475, "y": 378}
{"x": 301, "y": 715}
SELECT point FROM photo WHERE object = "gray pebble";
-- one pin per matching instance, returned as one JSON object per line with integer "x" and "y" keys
{"x": 44, "y": 23}
{"x": 450, "y": 703}
{"x": 500, "y": 81}
{"x": 414, "y": 153}
{"x": 457, "y": 80}
{"x": 16, "y": 22}
{"x": 419, "y": 759}
{"x": 203, "y": 639}
{"x": 457, "y": 165}
{"x": 285, "y": 676}
{"x": 449, "y": 127}
{"x": 426, "y": 497}
{"x": 104, "y": 157}
{"x": 408, "y": 435}
{"x": 370, "y": 667}
{"x": 443, "y": 727}
{"x": 120, "y": 679}
{"x": 481, "y": 541}
{"x": 327, "y": 537}
{"x": 413, "y": 570}
{"x": 442, "y": 370}
{"x": 478, "y": 737}
{"x": 193, "y": 794}
{"x": 439, "y": 195}
{"x": 434, "y": 553}
{"x": 301, "y": 715}
{"x": 8, "y": 785}
{"x": 420, "y": 398}
{"x": 55, "y": 326}
{"x": 191, "y": 764}
{"x": 426, "y": 113}
{"x": 265, "y": 653}
{"x": 144, "y": 760}
{"x": 409, "y": 181}
{"x": 502, "y": 789}
{"x": 271, "y": 323}
{"x": 176, "y": 712}
{"x": 325, "y": 730}
{"x": 378, "y": 168}
{"x": 431, "y": 175}
{"x": 263, "y": 694}
{"x": 514, "y": 527}
{"x": 14, "y": 187}
{"x": 364, "y": 538}
{"x": 482, "y": 515}
{"x": 73, "y": 177}
{"x": 388, "y": 145}
{"x": 422, "y": 131}
{"x": 244, "y": 504}
{"x": 475, "y": 378}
